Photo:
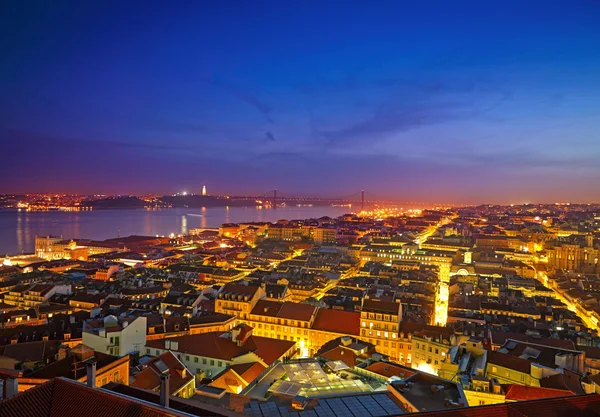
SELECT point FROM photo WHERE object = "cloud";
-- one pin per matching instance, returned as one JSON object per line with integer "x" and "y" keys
{"x": 269, "y": 137}
{"x": 244, "y": 96}
{"x": 387, "y": 120}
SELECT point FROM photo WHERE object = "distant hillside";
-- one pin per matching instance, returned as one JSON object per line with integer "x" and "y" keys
{"x": 204, "y": 201}
{"x": 117, "y": 202}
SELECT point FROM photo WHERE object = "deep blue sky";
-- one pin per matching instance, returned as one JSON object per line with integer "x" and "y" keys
{"x": 439, "y": 101}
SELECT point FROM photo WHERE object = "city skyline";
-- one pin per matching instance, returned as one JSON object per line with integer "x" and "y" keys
{"x": 464, "y": 104}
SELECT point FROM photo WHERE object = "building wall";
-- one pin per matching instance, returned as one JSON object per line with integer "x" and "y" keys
{"x": 428, "y": 354}
{"x": 382, "y": 331}
{"x": 130, "y": 340}
{"x": 475, "y": 398}
{"x": 133, "y": 337}
{"x": 573, "y": 258}
{"x": 238, "y": 306}
{"x": 510, "y": 376}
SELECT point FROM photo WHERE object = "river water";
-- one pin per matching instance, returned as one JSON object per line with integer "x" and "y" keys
{"x": 19, "y": 228}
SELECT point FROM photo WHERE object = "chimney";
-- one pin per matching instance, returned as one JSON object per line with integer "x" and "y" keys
{"x": 62, "y": 352}
{"x": 11, "y": 387}
{"x": 91, "y": 373}
{"x": 164, "y": 390}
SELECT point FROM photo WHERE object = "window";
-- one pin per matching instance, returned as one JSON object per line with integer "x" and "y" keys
{"x": 196, "y": 359}
{"x": 494, "y": 369}
{"x": 156, "y": 352}
{"x": 147, "y": 351}
{"x": 212, "y": 362}
{"x": 204, "y": 362}
{"x": 417, "y": 346}
{"x": 220, "y": 364}
{"x": 187, "y": 358}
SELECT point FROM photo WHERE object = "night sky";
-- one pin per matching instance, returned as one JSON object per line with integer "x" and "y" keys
{"x": 438, "y": 101}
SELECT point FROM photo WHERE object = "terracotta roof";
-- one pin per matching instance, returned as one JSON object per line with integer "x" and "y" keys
{"x": 189, "y": 406}
{"x": 287, "y": 310}
{"x": 568, "y": 380}
{"x": 499, "y": 337}
{"x": 337, "y": 321}
{"x": 384, "y": 307}
{"x": 389, "y": 369}
{"x": 509, "y": 361}
{"x": 149, "y": 378}
{"x": 516, "y": 392}
{"x": 267, "y": 308}
{"x": 335, "y": 350}
{"x": 339, "y": 353}
{"x": 240, "y": 289}
{"x": 546, "y": 355}
{"x": 297, "y": 311}
{"x": 248, "y": 371}
{"x": 590, "y": 352}
{"x": 211, "y": 318}
{"x": 583, "y": 405}
{"x": 214, "y": 345}
{"x": 64, "y": 398}
{"x": 31, "y": 351}
{"x": 66, "y": 367}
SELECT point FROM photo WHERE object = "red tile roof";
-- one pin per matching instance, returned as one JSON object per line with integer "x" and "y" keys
{"x": 240, "y": 289}
{"x": 342, "y": 322}
{"x": 287, "y": 310}
{"x": 522, "y": 393}
{"x": 248, "y": 371}
{"x": 580, "y": 406}
{"x": 384, "y": 307}
{"x": 499, "y": 337}
{"x": 149, "y": 378}
{"x": 297, "y": 311}
{"x": 213, "y": 345}
{"x": 63, "y": 398}
{"x": 389, "y": 369}
{"x": 267, "y": 308}
{"x": 508, "y": 361}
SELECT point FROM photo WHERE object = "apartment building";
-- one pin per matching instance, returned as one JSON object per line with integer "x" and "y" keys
{"x": 238, "y": 299}
{"x": 379, "y": 325}
{"x": 209, "y": 354}
{"x": 115, "y": 336}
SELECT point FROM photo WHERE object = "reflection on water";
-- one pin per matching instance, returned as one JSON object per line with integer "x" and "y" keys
{"x": 18, "y": 229}
{"x": 184, "y": 225}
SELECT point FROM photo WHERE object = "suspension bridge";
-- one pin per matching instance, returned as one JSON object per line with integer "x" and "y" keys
{"x": 361, "y": 199}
